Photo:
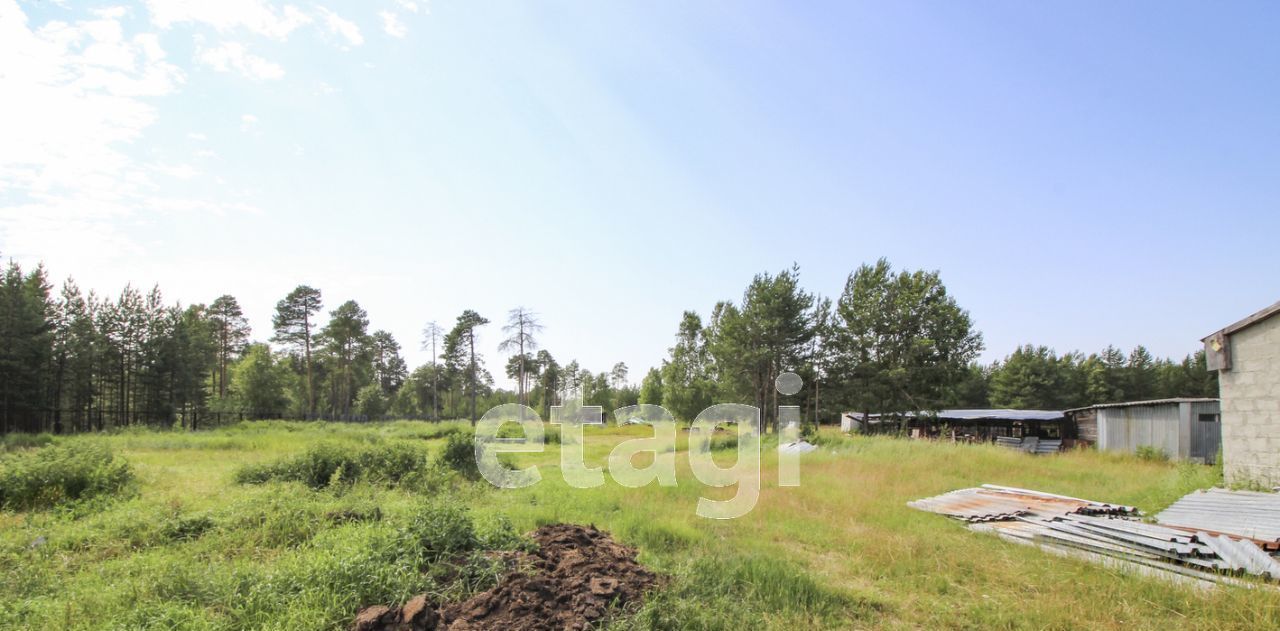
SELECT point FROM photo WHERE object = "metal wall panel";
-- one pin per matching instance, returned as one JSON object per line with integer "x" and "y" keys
{"x": 1127, "y": 428}
{"x": 1206, "y": 435}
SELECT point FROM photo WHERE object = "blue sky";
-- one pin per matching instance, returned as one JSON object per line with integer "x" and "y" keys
{"x": 1082, "y": 173}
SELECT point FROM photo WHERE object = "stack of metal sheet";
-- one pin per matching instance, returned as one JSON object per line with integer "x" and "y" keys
{"x": 1102, "y": 532}
{"x": 997, "y": 503}
{"x": 1031, "y": 444}
{"x": 974, "y": 505}
{"x": 1054, "y": 503}
{"x": 1048, "y": 446}
{"x": 1248, "y": 514}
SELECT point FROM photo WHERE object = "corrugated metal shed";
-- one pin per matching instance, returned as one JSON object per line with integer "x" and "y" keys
{"x": 1125, "y": 404}
{"x": 1000, "y": 415}
{"x": 982, "y": 415}
{"x": 1183, "y": 428}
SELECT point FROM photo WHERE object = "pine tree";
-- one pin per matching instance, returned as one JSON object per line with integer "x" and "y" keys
{"x": 464, "y": 341}
{"x": 346, "y": 341}
{"x": 294, "y": 324}
{"x": 231, "y": 330}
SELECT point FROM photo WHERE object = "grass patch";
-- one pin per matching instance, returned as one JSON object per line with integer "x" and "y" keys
{"x": 56, "y": 475}
{"x": 193, "y": 549}
{"x": 727, "y": 593}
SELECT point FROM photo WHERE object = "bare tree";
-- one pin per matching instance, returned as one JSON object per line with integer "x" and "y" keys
{"x": 522, "y": 324}
{"x": 431, "y": 335}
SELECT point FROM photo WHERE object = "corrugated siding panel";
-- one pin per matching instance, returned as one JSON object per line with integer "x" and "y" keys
{"x": 1206, "y": 437}
{"x": 1128, "y": 428}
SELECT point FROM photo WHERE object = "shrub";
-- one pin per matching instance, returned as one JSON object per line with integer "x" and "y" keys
{"x": 445, "y": 541}
{"x": 328, "y": 464}
{"x": 440, "y": 530}
{"x": 460, "y": 455}
{"x": 704, "y": 444}
{"x": 1151, "y": 453}
{"x": 553, "y": 436}
{"x": 20, "y": 441}
{"x": 56, "y": 475}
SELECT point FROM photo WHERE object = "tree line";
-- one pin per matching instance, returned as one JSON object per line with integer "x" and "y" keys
{"x": 72, "y": 361}
{"x": 892, "y": 342}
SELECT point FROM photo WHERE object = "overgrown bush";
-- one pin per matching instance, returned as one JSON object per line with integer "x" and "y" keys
{"x": 1151, "y": 453}
{"x": 460, "y": 455}
{"x": 456, "y": 552}
{"x": 329, "y": 464}
{"x": 440, "y": 530}
{"x": 60, "y": 474}
{"x": 19, "y": 441}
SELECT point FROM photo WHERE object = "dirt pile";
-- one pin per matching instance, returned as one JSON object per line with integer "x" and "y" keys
{"x": 578, "y": 575}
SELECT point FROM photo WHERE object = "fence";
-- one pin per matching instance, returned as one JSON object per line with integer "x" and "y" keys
{"x": 63, "y": 421}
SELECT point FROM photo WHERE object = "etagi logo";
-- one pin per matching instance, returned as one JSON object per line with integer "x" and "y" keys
{"x": 573, "y": 418}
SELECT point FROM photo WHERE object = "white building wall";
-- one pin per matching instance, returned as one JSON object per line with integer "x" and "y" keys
{"x": 1251, "y": 405}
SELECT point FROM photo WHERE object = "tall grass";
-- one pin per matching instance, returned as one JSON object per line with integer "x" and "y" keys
{"x": 193, "y": 549}
{"x": 19, "y": 441}
{"x": 56, "y": 475}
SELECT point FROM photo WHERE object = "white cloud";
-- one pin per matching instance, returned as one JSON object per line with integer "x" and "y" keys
{"x": 342, "y": 26}
{"x": 71, "y": 98}
{"x": 256, "y": 16}
{"x": 408, "y": 5}
{"x": 197, "y": 136}
{"x": 234, "y": 57}
{"x": 179, "y": 171}
{"x": 392, "y": 25}
{"x": 248, "y": 119}
{"x": 77, "y": 95}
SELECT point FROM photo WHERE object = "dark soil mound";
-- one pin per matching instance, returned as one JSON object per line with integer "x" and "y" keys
{"x": 577, "y": 576}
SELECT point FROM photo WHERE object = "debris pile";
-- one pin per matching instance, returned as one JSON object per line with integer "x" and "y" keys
{"x": 577, "y": 577}
{"x": 1112, "y": 533}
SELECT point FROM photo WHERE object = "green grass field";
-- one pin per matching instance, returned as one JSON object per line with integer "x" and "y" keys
{"x": 187, "y": 547}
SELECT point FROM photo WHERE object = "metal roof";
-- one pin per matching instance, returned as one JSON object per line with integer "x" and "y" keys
{"x": 1126, "y": 404}
{"x": 1246, "y": 323}
{"x": 1005, "y": 415}
{"x": 979, "y": 415}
